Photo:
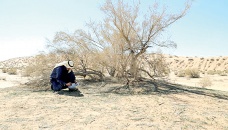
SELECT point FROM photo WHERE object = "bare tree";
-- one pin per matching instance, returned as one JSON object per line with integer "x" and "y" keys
{"x": 128, "y": 35}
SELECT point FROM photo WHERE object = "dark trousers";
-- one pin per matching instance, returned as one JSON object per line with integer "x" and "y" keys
{"x": 56, "y": 86}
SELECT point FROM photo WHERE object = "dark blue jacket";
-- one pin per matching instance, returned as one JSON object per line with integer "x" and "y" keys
{"x": 60, "y": 76}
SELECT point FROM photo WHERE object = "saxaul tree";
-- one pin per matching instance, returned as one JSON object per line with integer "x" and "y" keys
{"x": 130, "y": 35}
{"x": 122, "y": 39}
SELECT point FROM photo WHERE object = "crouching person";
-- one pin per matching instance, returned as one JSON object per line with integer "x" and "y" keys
{"x": 63, "y": 77}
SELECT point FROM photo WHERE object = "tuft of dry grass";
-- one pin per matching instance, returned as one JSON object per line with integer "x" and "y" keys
{"x": 205, "y": 82}
{"x": 3, "y": 78}
{"x": 190, "y": 73}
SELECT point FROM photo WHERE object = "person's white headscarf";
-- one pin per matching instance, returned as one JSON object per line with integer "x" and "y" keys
{"x": 67, "y": 64}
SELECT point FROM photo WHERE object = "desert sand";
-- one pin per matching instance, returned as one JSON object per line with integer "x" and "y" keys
{"x": 204, "y": 65}
{"x": 101, "y": 108}
{"x": 7, "y": 80}
{"x": 218, "y": 82}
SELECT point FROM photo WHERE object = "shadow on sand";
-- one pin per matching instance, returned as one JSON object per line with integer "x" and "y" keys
{"x": 66, "y": 92}
{"x": 168, "y": 88}
{"x": 146, "y": 87}
{"x": 165, "y": 88}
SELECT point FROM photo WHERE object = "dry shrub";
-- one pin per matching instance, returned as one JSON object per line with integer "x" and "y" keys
{"x": 10, "y": 71}
{"x": 203, "y": 72}
{"x": 175, "y": 72}
{"x": 39, "y": 71}
{"x": 205, "y": 82}
{"x": 192, "y": 73}
{"x": 4, "y": 70}
{"x": 221, "y": 73}
{"x": 2, "y": 78}
{"x": 226, "y": 71}
{"x": 181, "y": 73}
{"x": 211, "y": 72}
{"x": 190, "y": 59}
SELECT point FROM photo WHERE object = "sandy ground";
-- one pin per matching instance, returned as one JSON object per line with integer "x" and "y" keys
{"x": 22, "y": 108}
{"x": 218, "y": 82}
{"x": 7, "y": 80}
{"x": 25, "y": 109}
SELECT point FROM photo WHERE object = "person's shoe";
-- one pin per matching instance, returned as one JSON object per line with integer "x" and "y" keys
{"x": 59, "y": 92}
{"x": 73, "y": 90}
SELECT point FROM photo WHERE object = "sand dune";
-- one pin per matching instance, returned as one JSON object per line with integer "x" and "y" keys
{"x": 16, "y": 62}
{"x": 201, "y": 63}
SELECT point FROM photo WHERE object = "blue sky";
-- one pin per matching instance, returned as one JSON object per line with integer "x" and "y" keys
{"x": 25, "y": 25}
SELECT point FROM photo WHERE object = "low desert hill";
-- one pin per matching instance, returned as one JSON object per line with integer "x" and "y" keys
{"x": 18, "y": 62}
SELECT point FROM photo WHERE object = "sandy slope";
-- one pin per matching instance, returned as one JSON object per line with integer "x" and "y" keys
{"x": 25, "y": 109}
{"x": 202, "y": 63}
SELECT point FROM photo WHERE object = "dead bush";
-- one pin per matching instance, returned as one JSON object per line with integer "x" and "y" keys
{"x": 226, "y": 71}
{"x": 39, "y": 71}
{"x": 181, "y": 73}
{"x": 221, "y": 73}
{"x": 10, "y": 71}
{"x": 4, "y": 70}
{"x": 205, "y": 82}
{"x": 3, "y": 78}
{"x": 192, "y": 73}
{"x": 211, "y": 72}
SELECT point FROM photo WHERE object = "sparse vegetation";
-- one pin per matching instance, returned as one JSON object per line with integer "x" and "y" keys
{"x": 11, "y": 71}
{"x": 181, "y": 73}
{"x": 226, "y": 71}
{"x": 190, "y": 60}
{"x": 4, "y": 70}
{"x": 211, "y": 72}
{"x": 205, "y": 82}
{"x": 203, "y": 72}
{"x": 2, "y": 78}
{"x": 40, "y": 69}
{"x": 218, "y": 72}
{"x": 190, "y": 73}
{"x": 221, "y": 73}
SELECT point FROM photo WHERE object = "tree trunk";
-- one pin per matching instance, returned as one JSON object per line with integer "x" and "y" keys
{"x": 133, "y": 66}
